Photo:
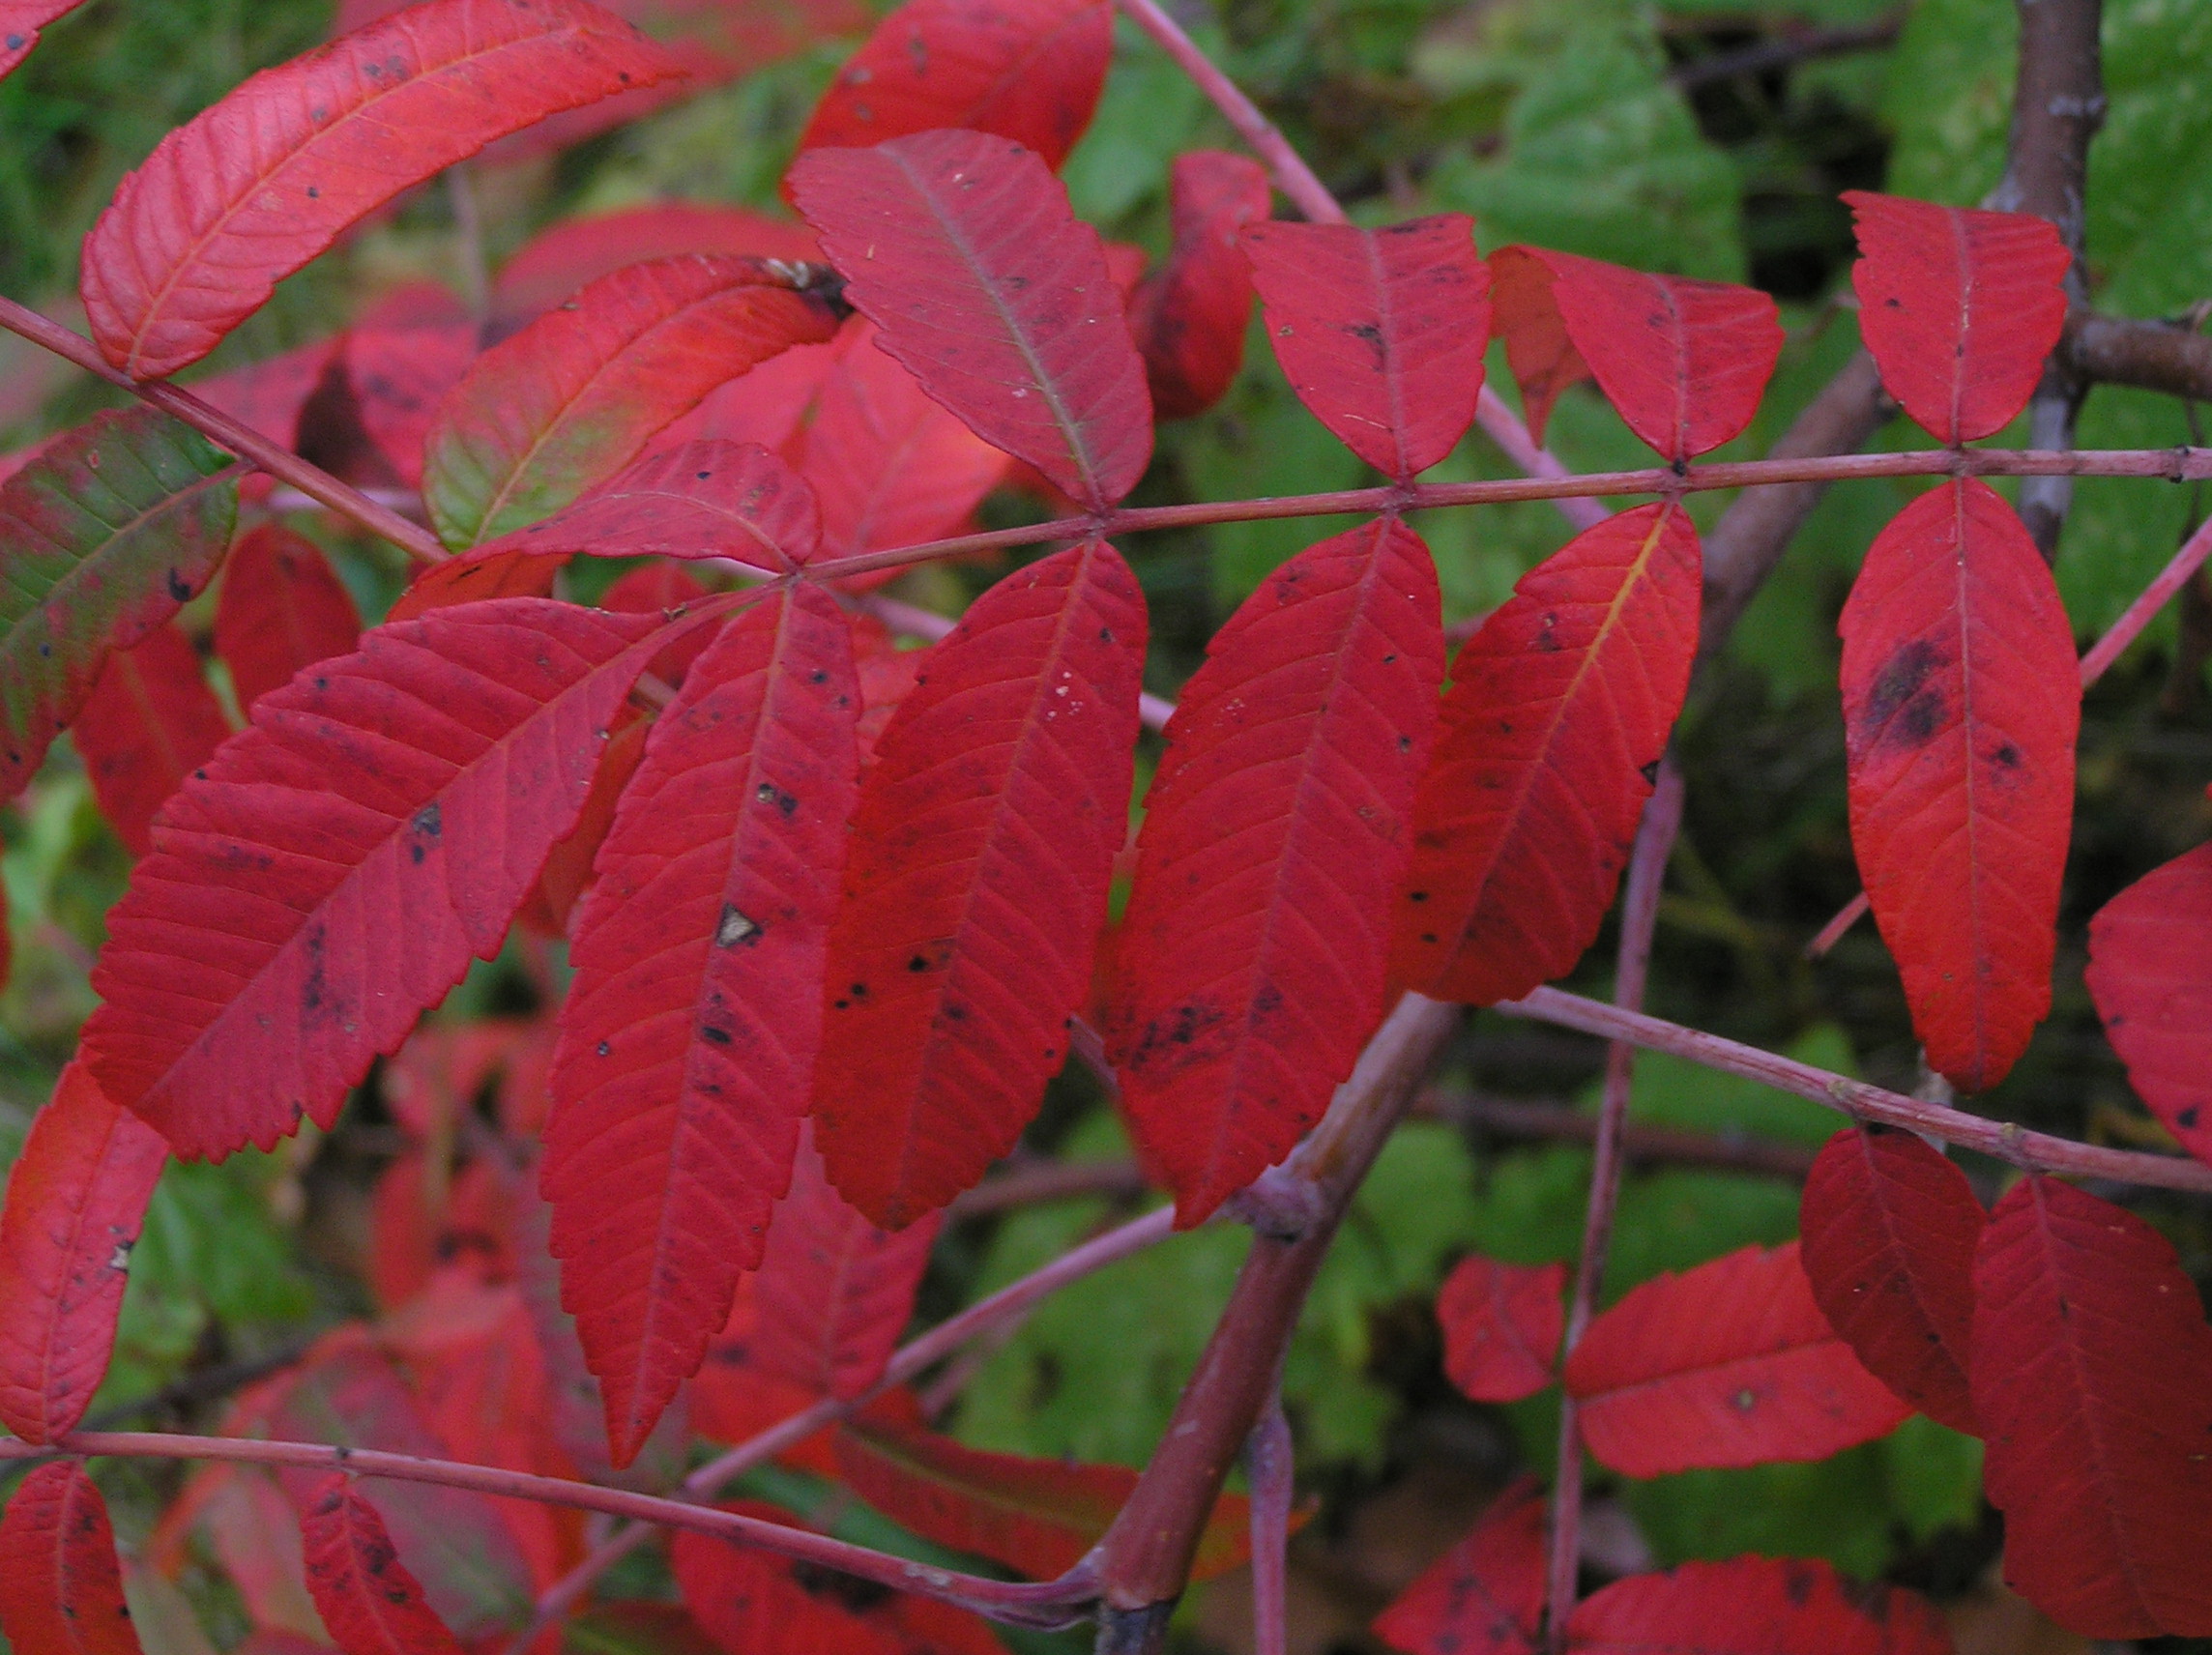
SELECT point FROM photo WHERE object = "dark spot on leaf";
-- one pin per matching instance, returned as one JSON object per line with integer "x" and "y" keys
{"x": 2007, "y": 755}
{"x": 1650, "y": 773}
{"x": 719, "y": 1037}
{"x": 1899, "y": 710}
{"x": 916, "y": 963}
{"x": 179, "y": 588}
{"x": 1373, "y": 335}
{"x": 2188, "y": 1118}
{"x": 768, "y": 793}
{"x": 604, "y": 1048}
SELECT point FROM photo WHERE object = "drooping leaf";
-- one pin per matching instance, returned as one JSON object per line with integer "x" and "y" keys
{"x": 251, "y": 190}
{"x": 369, "y": 1602}
{"x": 977, "y": 883}
{"x": 1682, "y": 361}
{"x": 1251, "y": 959}
{"x": 1890, "y": 1228}
{"x": 1538, "y": 349}
{"x": 1025, "y": 70}
{"x": 576, "y": 251}
{"x": 1961, "y": 705}
{"x": 399, "y": 366}
{"x": 1959, "y": 307}
{"x": 103, "y": 537}
{"x": 752, "y": 1602}
{"x": 2151, "y": 973}
{"x": 149, "y": 722}
{"x": 2092, "y": 1370}
{"x": 688, "y": 1038}
{"x": 1729, "y": 1364}
{"x": 1756, "y": 1606}
{"x": 1501, "y": 1325}
{"x": 1485, "y": 1595}
{"x": 1189, "y": 319}
{"x": 571, "y": 400}
{"x": 281, "y": 608}
{"x": 21, "y": 22}
{"x": 61, "y": 1585}
{"x": 330, "y": 873}
{"x": 961, "y": 247}
{"x": 1380, "y": 332}
{"x": 1559, "y": 710}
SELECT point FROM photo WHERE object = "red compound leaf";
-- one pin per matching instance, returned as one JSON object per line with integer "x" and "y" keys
{"x": 1890, "y": 1229}
{"x": 330, "y": 873}
{"x": 1190, "y": 318}
{"x": 687, "y": 1042}
{"x": 1728, "y": 1364}
{"x": 1682, "y": 361}
{"x": 1559, "y": 710}
{"x": 1961, "y": 703}
{"x": 977, "y": 882}
{"x": 1380, "y": 332}
{"x": 1959, "y": 307}
{"x": 1503, "y": 1325}
{"x": 61, "y": 1583}
{"x": 149, "y": 722}
{"x": 576, "y": 251}
{"x": 2151, "y": 973}
{"x": 1251, "y": 960}
{"x": 962, "y": 249}
{"x": 1025, "y": 70}
{"x": 1755, "y": 1605}
{"x": 76, "y": 1200}
{"x": 2092, "y": 1372}
{"x": 246, "y": 192}
{"x": 1485, "y": 1595}
{"x": 369, "y": 1602}
{"x": 21, "y": 22}
{"x": 281, "y": 609}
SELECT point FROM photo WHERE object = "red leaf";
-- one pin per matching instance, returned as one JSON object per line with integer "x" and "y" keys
{"x": 370, "y": 1603}
{"x": 1755, "y": 1605}
{"x": 1959, "y": 307}
{"x": 1558, "y": 712}
{"x": 149, "y": 722}
{"x": 1537, "y": 349}
{"x": 76, "y": 1200}
{"x": 688, "y": 1038}
{"x": 1961, "y": 705}
{"x": 1890, "y": 1229}
{"x": 281, "y": 609}
{"x": 572, "y": 398}
{"x": 962, "y": 249}
{"x": 664, "y": 588}
{"x": 1380, "y": 332}
{"x": 474, "y": 579}
{"x": 2151, "y": 973}
{"x": 1503, "y": 1325}
{"x": 1682, "y": 361}
{"x": 398, "y": 374}
{"x": 754, "y": 1603}
{"x": 330, "y": 873}
{"x": 61, "y": 1585}
{"x": 21, "y": 22}
{"x": 765, "y": 407}
{"x": 2093, "y": 1383}
{"x": 1728, "y": 1364}
{"x": 558, "y": 261}
{"x": 1485, "y": 1595}
{"x": 1190, "y": 318}
{"x": 1252, "y": 955}
{"x": 249, "y": 191}
{"x": 1025, "y": 70}
{"x": 267, "y": 396}
{"x": 977, "y": 882}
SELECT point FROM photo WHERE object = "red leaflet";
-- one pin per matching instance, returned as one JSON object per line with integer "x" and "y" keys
{"x": 1537, "y": 349}
{"x": 1558, "y": 712}
{"x": 281, "y": 609}
{"x": 149, "y": 722}
{"x": 76, "y": 1198}
{"x": 1189, "y": 319}
{"x": 765, "y": 407}
{"x": 397, "y": 373}
{"x": 755, "y": 1603}
{"x": 575, "y": 251}
{"x": 1025, "y": 70}
{"x": 21, "y": 22}
{"x": 1485, "y": 1595}
{"x": 1961, "y": 705}
{"x": 1728, "y": 1364}
{"x": 330, "y": 873}
{"x": 668, "y": 589}
{"x": 1682, "y": 361}
{"x": 61, "y": 1585}
{"x": 571, "y": 400}
{"x": 1959, "y": 307}
{"x": 1890, "y": 1229}
{"x": 976, "y": 887}
{"x": 963, "y": 252}
{"x": 1380, "y": 332}
{"x": 370, "y": 1603}
{"x": 1503, "y": 1325}
{"x": 687, "y": 1041}
{"x": 2093, "y": 1383}
{"x": 251, "y": 190}
{"x": 1252, "y": 955}
{"x": 1756, "y": 1606}
{"x": 2151, "y": 973}
{"x": 473, "y": 579}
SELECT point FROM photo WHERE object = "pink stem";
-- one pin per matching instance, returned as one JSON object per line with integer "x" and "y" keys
{"x": 1504, "y": 427}
{"x": 1268, "y": 1467}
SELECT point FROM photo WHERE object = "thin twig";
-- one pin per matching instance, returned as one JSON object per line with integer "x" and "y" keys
{"x": 1805, "y": 46}
{"x": 468, "y": 232}
{"x": 1534, "y": 1121}
{"x": 1268, "y": 1467}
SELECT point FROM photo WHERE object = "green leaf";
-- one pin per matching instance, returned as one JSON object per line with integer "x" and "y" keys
{"x": 1950, "y": 98}
{"x": 1831, "y": 1508}
{"x": 1149, "y": 113}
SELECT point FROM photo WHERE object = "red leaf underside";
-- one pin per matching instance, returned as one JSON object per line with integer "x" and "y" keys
{"x": 2151, "y": 973}
{"x": 369, "y": 1602}
{"x": 281, "y": 609}
{"x": 1501, "y": 1325}
{"x": 149, "y": 722}
{"x": 1485, "y": 1595}
{"x": 752, "y": 1602}
{"x": 1756, "y": 1606}
{"x": 576, "y": 251}
{"x": 61, "y": 1585}
{"x": 397, "y": 373}
{"x": 1189, "y": 320}
{"x": 1538, "y": 350}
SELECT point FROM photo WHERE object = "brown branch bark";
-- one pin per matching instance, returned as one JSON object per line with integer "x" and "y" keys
{"x": 2171, "y": 357}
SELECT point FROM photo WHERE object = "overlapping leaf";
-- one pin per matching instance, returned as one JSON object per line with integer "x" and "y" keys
{"x": 1501, "y": 1325}
{"x": 1485, "y": 1595}
{"x": 1961, "y": 705}
{"x": 251, "y": 190}
{"x": 281, "y": 608}
{"x": 149, "y": 722}
{"x": 369, "y": 1602}
{"x": 576, "y": 251}
{"x": 61, "y": 1585}
{"x": 1559, "y": 710}
{"x": 1251, "y": 959}
{"x": 1189, "y": 318}
{"x": 752, "y": 1602}
{"x": 2151, "y": 973}
{"x": 1756, "y": 1606}
{"x": 399, "y": 364}
{"x": 21, "y": 22}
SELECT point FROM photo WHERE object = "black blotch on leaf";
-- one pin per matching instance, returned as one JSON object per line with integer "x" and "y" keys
{"x": 1901, "y": 709}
